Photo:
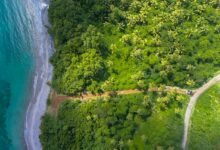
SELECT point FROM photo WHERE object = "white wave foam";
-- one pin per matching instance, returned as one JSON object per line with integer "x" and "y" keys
{"x": 43, "y": 47}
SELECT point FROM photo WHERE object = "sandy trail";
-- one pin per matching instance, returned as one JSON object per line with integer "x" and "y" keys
{"x": 57, "y": 99}
{"x": 191, "y": 105}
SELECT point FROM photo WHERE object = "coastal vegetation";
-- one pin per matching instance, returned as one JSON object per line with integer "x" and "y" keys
{"x": 111, "y": 45}
{"x": 204, "y": 132}
{"x": 104, "y": 45}
{"x": 136, "y": 121}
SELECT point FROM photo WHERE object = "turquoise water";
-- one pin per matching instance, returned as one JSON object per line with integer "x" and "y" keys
{"x": 15, "y": 73}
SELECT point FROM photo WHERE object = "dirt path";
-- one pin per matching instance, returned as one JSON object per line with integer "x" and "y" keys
{"x": 57, "y": 99}
{"x": 191, "y": 105}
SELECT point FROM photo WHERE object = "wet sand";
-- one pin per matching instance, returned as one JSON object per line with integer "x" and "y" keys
{"x": 43, "y": 49}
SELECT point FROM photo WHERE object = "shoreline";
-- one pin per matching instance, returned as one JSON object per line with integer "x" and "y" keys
{"x": 43, "y": 49}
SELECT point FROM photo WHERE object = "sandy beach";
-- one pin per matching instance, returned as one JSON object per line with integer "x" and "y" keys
{"x": 43, "y": 48}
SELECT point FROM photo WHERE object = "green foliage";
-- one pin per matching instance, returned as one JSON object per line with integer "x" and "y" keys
{"x": 204, "y": 132}
{"x": 108, "y": 45}
{"x": 139, "y": 42}
{"x": 116, "y": 123}
{"x": 48, "y": 101}
{"x": 81, "y": 72}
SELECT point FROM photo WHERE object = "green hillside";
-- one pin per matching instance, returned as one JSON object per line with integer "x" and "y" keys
{"x": 104, "y": 45}
{"x": 110, "y": 45}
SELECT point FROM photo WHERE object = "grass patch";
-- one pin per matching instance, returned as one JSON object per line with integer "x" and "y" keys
{"x": 204, "y": 133}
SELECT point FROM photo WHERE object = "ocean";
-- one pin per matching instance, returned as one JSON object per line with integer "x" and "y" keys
{"x": 16, "y": 67}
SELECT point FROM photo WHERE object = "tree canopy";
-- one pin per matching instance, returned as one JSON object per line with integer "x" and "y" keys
{"x": 108, "y": 45}
{"x": 121, "y": 122}
{"x": 169, "y": 42}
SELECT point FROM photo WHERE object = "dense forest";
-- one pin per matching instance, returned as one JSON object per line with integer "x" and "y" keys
{"x": 104, "y": 45}
{"x": 122, "y": 122}
{"x": 109, "y": 45}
